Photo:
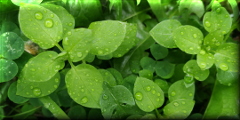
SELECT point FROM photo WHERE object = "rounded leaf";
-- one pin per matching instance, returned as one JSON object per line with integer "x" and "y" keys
{"x": 8, "y": 70}
{"x": 8, "y": 26}
{"x": 12, "y": 94}
{"x": 205, "y": 60}
{"x": 158, "y": 51}
{"x": 148, "y": 95}
{"x": 164, "y": 69}
{"x": 148, "y": 63}
{"x": 84, "y": 84}
{"x": 77, "y": 112}
{"x": 41, "y": 25}
{"x": 108, "y": 35}
{"x": 162, "y": 33}
{"x": 226, "y": 77}
{"x": 163, "y": 84}
{"x": 213, "y": 40}
{"x": 42, "y": 67}
{"x": 12, "y": 46}
{"x": 108, "y": 77}
{"x": 77, "y": 42}
{"x": 188, "y": 39}
{"x": 192, "y": 68}
{"x": 146, "y": 74}
{"x": 217, "y": 19}
{"x": 30, "y": 89}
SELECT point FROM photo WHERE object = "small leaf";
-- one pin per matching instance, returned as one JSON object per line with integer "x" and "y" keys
{"x": 195, "y": 6}
{"x": 8, "y": 26}
{"x": 115, "y": 100}
{"x": 178, "y": 91}
{"x": 158, "y": 51}
{"x": 146, "y": 74}
{"x": 12, "y": 94}
{"x": 107, "y": 36}
{"x": 8, "y": 70}
{"x": 217, "y": 19}
{"x": 205, "y": 60}
{"x": 213, "y": 40}
{"x": 77, "y": 42}
{"x": 31, "y": 89}
{"x": 138, "y": 2}
{"x": 226, "y": 57}
{"x": 89, "y": 58}
{"x": 37, "y": 24}
{"x": 42, "y": 67}
{"x": 12, "y": 46}
{"x": 84, "y": 84}
{"x": 192, "y": 68}
{"x": 164, "y": 69}
{"x": 226, "y": 77}
{"x": 188, "y": 39}
{"x": 179, "y": 109}
{"x": 116, "y": 74}
{"x": 19, "y": 2}
{"x": 163, "y": 84}
{"x": 148, "y": 64}
{"x": 129, "y": 81}
{"x": 108, "y": 77}
{"x": 162, "y": 33}
{"x": 148, "y": 95}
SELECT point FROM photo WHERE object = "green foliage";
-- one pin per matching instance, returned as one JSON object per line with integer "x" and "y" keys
{"x": 119, "y": 59}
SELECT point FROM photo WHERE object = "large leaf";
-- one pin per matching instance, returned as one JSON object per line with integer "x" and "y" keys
{"x": 188, "y": 39}
{"x": 195, "y": 6}
{"x": 108, "y": 35}
{"x": 77, "y": 42}
{"x": 148, "y": 95}
{"x": 162, "y": 33}
{"x": 31, "y": 89}
{"x": 41, "y": 25}
{"x": 12, "y": 46}
{"x": 42, "y": 67}
{"x": 217, "y": 19}
{"x": 115, "y": 100}
{"x": 84, "y": 84}
{"x": 8, "y": 69}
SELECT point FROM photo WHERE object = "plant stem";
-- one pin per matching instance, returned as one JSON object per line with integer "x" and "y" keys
{"x": 53, "y": 108}
{"x": 158, "y": 115}
{"x": 59, "y": 47}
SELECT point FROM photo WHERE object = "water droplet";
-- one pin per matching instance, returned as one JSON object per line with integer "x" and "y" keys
{"x": 58, "y": 66}
{"x": 100, "y": 52}
{"x": 153, "y": 92}
{"x": 191, "y": 48}
{"x": 37, "y": 91}
{"x": 207, "y": 23}
{"x": 218, "y": 10}
{"x": 175, "y": 104}
{"x": 52, "y": 15}
{"x": 55, "y": 86}
{"x": 202, "y": 52}
{"x": 138, "y": 96}
{"x": 190, "y": 94}
{"x": 79, "y": 54}
{"x": 48, "y": 23}
{"x": 173, "y": 93}
{"x": 84, "y": 100}
{"x": 195, "y": 35}
{"x": 223, "y": 66}
{"x": 202, "y": 65}
{"x": 70, "y": 24}
{"x": 56, "y": 80}
{"x": 158, "y": 94}
{"x": 229, "y": 84}
{"x": 188, "y": 78}
{"x": 183, "y": 102}
{"x": 158, "y": 99}
{"x": 181, "y": 33}
{"x": 226, "y": 15}
{"x": 184, "y": 111}
{"x": 69, "y": 33}
{"x": 119, "y": 55}
{"x": 82, "y": 90}
{"x": 105, "y": 96}
{"x": 223, "y": 32}
{"x": 33, "y": 69}
{"x": 148, "y": 88}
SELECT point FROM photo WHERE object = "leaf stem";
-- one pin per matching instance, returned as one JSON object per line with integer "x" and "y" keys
{"x": 59, "y": 47}
{"x": 71, "y": 64}
{"x": 53, "y": 108}
{"x": 84, "y": 62}
{"x": 136, "y": 14}
{"x": 158, "y": 115}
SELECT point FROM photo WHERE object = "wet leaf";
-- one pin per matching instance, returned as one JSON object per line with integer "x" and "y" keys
{"x": 8, "y": 70}
{"x": 108, "y": 77}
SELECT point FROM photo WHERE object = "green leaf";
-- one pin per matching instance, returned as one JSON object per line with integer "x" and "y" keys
{"x": 37, "y": 23}
{"x": 217, "y": 19}
{"x": 176, "y": 56}
{"x": 192, "y": 68}
{"x": 235, "y": 9}
{"x": 129, "y": 81}
{"x": 84, "y": 84}
{"x": 158, "y": 9}
{"x": 148, "y": 64}
{"x": 20, "y": 2}
{"x": 149, "y": 116}
{"x": 138, "y": 2}
{"x": 31, "y": 89}
{"x": 193, "y": 6}
{"x": 108, "y": 77}
{"x": 107, "y": 36}
{"x": 179, "y": 109}
{"x": 164, "y": 69}
{"x": 8, "y": 70}
{"x": 226, "y": 57}
{"x": 1, "y": 113}
{"x": 12, "y": 46}
{"x": 115, "y": 101}
{"x": 116, "y": 74}
{"x": 134, "y": 62}
{"x": 162, "y": 33}
{"x": 67, "y": 20}
{"x": 213, "y": 40}
{"x": 105, "y": 57}
{"x": 42, "y": 67}
{"x": 118, "y": 6}
{"x": 21, "y": 61}
{"x": 178, "y": 73}
{"x": 77, "y": 42}
{"x": 158, "y": 51}
{"x": 89, "y": 58}
{"x": 148, "y": 95}
{"x": 163, "y": 84}
{"x": 146, "y": 74}
{"x": 64, "y": 98}
{"x": 8, "y": 26}
{"x": 77, "y": 112}
{"x": 128, "y": 42}
{"x": 178, "y": 91}
{"x": 227, "y": 77}
{"x": 188, "y": 39}
{"x": 12, "y": 94}
{"x": 3, "y": 91}
{"x": 223, "y": 101}
{"x": 205, "y": 60}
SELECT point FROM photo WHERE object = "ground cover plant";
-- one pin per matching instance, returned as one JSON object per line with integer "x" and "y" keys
{"x": 119, "y": 59}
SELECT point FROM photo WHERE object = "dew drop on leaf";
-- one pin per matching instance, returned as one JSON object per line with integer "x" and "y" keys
{"x": 31, "y": 87}
{"x": 148, "y": 88}
{"x": 181, "y": 33}
{"x": 203, "y": 65}
{"x": 190, "y": 94}
{"x": 138, "y": 96}
{"x": 56, "y": 80}
{"x": 105, "y": 96}
{"x": 207, "y": 23}
{"x": 218, "y": 10}
{"x": 191, "y": 48}
{"x": 183, "y": 102}
{"x": 48, "y": 23}
{"x": 223, "y": 66}
{"x": 69, "y": 33}
{"x": 70, "y": 24}
{"x": 195, "y": 35}
{"x": 37, "y": 91}
{"x": 202, "y": 52}
{"x": 52, "y": 15}
{"x": 175, "y": 104}
{"x": 38, "y": 15}
{"x": 173, "y": 93}
{"x": 55, "y": 86}
{"x": 100, "y": 52}
{"x": 153, "y": 92}
{"x": 84, "y": 100}
{"x": 79, "y": 54}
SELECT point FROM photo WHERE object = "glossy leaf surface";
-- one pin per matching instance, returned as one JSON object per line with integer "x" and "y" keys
{"x": 8, "y": 69}
{"x": 205, "y": 60}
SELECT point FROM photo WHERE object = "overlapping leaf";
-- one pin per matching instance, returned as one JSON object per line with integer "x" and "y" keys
{"x": 164, "y": 69}
{"x": 195, "y": 6}
{"x": 12, "y": 94}
{"x": 8, "y": 69}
